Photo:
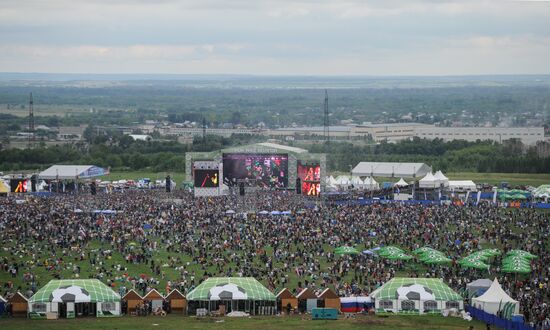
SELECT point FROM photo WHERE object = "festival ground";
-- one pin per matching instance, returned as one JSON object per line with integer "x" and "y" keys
{"x": 265, "y": 323}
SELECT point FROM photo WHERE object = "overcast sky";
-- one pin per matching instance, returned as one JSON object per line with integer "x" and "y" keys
{"x": 283, "y": 37}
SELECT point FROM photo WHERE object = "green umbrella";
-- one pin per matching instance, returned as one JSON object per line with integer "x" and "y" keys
{"x": 345, "y": 250}
{"x": 424, "y": 249}
{"x": 491, "y": 252}
{"x": 521, "y": 253}
{"x": 516, "y": 269}
{"x": 476, "y": 264}
{"x": 388, "y": 250}
{"x": 399, "y": 256}
{"x": 437, "y": 261}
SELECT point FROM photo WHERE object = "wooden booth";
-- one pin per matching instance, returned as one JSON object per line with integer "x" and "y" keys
{"x": 19, "y": 304}
{"x": 132, "y": 299}
{"x": 284, "y": 298}
{"x": 156, "y": 299}
{"x": 307, "y": 300}
{"x": 330, "y": 299}
{"x": 177, "y": 302}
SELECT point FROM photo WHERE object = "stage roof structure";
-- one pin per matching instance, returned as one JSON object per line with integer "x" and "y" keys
{"x": 70, "y": 172}
{"x": 383, "y": 169}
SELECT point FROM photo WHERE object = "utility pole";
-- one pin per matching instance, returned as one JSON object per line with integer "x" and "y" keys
{"x": 203, "y": 130}
{"x": 31, "y": 123}
{"x": 326, "y": 123}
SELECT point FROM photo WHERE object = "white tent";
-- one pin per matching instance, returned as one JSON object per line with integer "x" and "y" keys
{"x": 494, "y": 300}
{"x": 441, "y": 178}
{"x": 400, "y": 183}
{"x": 462, "y": 185}
{"x": 429, "y": 181}
{"x": 357, "y": 182}
{"x": 371, "y": 184}
{"x": 330, "y": 180}
{"x": 384, "y": 169}
{"x": 70, "y": 172}
{"x": 343, "y": 180}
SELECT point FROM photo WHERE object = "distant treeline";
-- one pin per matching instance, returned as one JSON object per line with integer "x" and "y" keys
{"x": 456, "y": 156}
{"x": 123, "y": 153}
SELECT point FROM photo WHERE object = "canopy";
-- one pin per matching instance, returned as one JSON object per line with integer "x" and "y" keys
{"x": 494, "y": 299}
{"x": 69, "y": 172}
{"x": 400, "y": 183}
{"x": 429, "y": 181}
{"x": 462, "y": 185}
{"x": 230, "y": 288}
{"x": 542, "y": 191}
{"x": 78, "y": 291}
{"x": 370, "y": 183}
{"x": 383, "y": 169}
{"x": 424, "y": 289}
{"x": 441, "y": 178}
{"x": 345, "y": 250}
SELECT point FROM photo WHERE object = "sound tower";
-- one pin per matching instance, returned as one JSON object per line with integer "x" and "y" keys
{"x": 168, "y": 184}
{"x": 241, "y": 188}
{"x": 298, "y": 186}
{"x": 93, "y": 189}
{"x": 33, "y": 183}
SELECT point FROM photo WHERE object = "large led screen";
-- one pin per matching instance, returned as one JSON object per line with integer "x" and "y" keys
{"x": 261, "y": 170}
{"x": 18, "y": 185}
{"x": 206, "y": 178}
{"x": 310, "y": 177}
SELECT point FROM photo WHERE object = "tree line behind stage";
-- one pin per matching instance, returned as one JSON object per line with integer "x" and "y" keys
{"x": 122, "y": 153}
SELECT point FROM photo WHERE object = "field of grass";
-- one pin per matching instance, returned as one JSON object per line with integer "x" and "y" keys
{"x": 266, "y": 323}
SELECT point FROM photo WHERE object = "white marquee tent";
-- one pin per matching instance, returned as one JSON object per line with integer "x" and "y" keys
{"x": 70, "y": 172}
{"x": 400, "y": 183}
{"x": 382, "y": 169}
{"x": 494, "y": 300}
{"x": 441, "y": 179}
{"x": 462, "y": 185}
{"x": 370, "y": 184}
{"x": 429, "y": 181}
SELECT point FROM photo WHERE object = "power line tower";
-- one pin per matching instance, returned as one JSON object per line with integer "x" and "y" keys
{"x": 203, "y": 129}
{"x": 31, "y": 123}
{"x": 326, "y": 123}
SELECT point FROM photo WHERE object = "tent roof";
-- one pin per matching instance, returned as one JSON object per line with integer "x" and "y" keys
{"x": 388, "y": 169}
{"x": 98, "y": 291}
{"x": 254, "y": 290}
{"x": 401, "y": 183}
{"x": 69, "y": 172}
{"x": 440, "y": 290}
{"x": 494, "y": 294}
{"x": 481, "y": 283}
{"x": 440, "y": 176}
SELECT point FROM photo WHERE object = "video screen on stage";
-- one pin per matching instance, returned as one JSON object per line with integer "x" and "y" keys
{"x": 310, "y": 177}
{"x": 19, "y": 185}
{"x": 206, "y": 178}
{"x": 261, "y": 170}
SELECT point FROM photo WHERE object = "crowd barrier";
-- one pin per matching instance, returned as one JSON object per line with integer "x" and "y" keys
{"x": 482, "y": 316}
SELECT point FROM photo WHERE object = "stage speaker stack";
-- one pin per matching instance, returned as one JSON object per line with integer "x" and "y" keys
{"x": 33, "y": 183}
{"x": 241, "y": 188}
{"x": 93, "y": 189}
{"x": 298, "y": 186}
{"x": 168, "y": 184}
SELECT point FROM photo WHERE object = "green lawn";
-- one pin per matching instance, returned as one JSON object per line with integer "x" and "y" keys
{"x": 514, "y": 179}
{"x": 265, "y": 323}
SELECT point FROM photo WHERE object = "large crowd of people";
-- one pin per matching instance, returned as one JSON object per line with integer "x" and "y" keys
{"x": 162, "y": 240}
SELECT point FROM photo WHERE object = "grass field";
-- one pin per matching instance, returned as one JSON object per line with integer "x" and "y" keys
{"x": 264, "y": 323}
{"x": 135, "y": 175}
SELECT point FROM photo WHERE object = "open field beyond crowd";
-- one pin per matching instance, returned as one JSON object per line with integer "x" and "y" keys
{"x": 266, "y": 323}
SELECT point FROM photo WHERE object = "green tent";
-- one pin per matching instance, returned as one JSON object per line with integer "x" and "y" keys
{"x": 345, "y": 250}
{"x": 91, "y": 290}
{"x": 230, "y": 288}
{"x": 521, "y": 253}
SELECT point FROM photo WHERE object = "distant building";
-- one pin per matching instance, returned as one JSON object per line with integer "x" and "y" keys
{"x": 140, "y": 137}
{"x": 527, "y": 135}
